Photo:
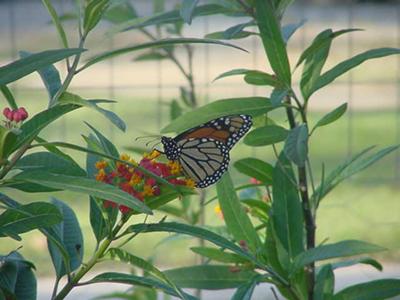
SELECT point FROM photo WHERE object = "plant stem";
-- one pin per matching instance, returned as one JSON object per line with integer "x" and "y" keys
{"x": 88, "y": 266}
{"x": 308, "y": 215}
{"x": 64, "y": 86}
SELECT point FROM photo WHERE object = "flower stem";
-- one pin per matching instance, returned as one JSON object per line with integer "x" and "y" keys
{"x": 307, "y": 210}
{"x": 89, "y": 265}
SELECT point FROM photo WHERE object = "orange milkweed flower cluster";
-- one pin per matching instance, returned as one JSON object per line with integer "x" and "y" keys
{"x": 135, "y": 182}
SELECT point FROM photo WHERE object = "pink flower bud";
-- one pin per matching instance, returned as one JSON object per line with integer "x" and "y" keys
{"x": 16, "y": 116}
{"x": 23, "y": 113}
{"x": 7, "y": 113}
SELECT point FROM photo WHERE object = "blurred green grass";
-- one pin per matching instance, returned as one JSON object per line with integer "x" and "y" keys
{"x": 366, "y": 207}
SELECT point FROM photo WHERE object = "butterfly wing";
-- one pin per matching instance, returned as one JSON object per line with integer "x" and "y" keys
{"x": 227, "y": 129}
{"x": 203, "y": 159}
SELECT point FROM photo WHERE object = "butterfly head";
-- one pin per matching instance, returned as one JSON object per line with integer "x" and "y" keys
{"x": 171, "y": 149}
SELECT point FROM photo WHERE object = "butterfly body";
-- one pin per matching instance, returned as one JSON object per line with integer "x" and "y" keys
{"x": 203, "y": 151}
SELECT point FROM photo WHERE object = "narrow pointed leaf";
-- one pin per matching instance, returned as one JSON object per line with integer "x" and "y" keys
{"x": 210, "y": 277}
{"x": 351, "y": 63}
{"x": 70, "y": 235}
{"x": 272, "y": 39}
{"x": 287, "y": 214}
{"x": 373, "y": 290}
{"x": 332, "y": 116}
{"x": 235, "y": 217}
{"x": 296, "y": 145}
{"x": 27, "y": 217}
{"x": 56, "y": 21}
{"x": 325, "y": 284}
{"x": 32, "y": 63}
{"x": 50, "y": 77}
{"x": 154, "y": 44}
{"x": 339, "y": 249}
{"x": 33, "y": 126}
{"x": 218, "y": 255}
{"x": 255, "y": 168}
{"x": 86, "y": 186}
{"x": 266, "y": 135}
{"x": 192, "y": 231}
{"x": 69, "y": 98}
{"x": 187, "y": 9}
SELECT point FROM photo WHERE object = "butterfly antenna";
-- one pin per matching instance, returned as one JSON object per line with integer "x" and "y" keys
{"x": 147, "y": 136}
{"x": 152, "y": 141}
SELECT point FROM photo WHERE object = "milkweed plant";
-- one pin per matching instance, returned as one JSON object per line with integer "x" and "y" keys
{"x": 270, "y": 238}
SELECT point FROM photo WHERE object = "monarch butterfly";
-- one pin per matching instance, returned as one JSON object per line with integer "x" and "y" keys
{"x": 203, "y": 151}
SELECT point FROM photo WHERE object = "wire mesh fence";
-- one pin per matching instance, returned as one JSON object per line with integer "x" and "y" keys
{"x": 372, "y": 89}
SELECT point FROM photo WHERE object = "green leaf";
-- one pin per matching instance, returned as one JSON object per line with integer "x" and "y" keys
{"x": 69, "y": 98}
{"x": 170, "y": 17}
{"x": 31, "y": 128}
{"x": 175, "y": 110}
{"x": 372, "y": 290}
{"x": 136, "y": 281}
{"x": 287, "y": 214}
{"x": 17, "y": 277}
{"x": 97, "y": 220}
{"x": 70, "y": 235}
{"x": 272, "y": 39}
{"x": 154, "y": 44}
{"x": 49, "y": 162}
{"x": 50, "y": 77}
{"x": 86, "y": 186}
{"x": 363, "y": 260}
{"x": 245, "y": 291}
{"x": 106, "y": 145}
{"x": 325, "y": 284}
{"x": 8, "y": 139}
{"x": 180, "y": 189}
{"x": 296, "y": 145}
{"x": 235, "y": 217}
{"x": 339, "y": 249}
{"x": 234, "y": 32}
{"x": 147, "y": 267}
{"x": 232, "y": 73}
{"x": 166, "y": 195}
{"x": 351, "y": 63}
{"x": 249, "y": 106}
{"x": 192, "y": 231}
{"x": 210, "y": 277}
{"x": 120, "y": 11}
{"x": 27, "y": 217}
{"x": 8, "y": 96}
{"x": 353, "y": 165}
{"x": 124, "y": 256}
{"x": 315, "y": 57}
{"x": 256, "y": 168}
{"x": 266, "y": 135}
{"x": 320, "y": 41}
{"x": 289, "y": 29}
{"x": 332, "y": 116}
{"x": 187, "y": 9}
{"x": 261, "y": 78}
{"x": 32, "y": 63}
{"x": 278, "y": 95}
{"x": 153, "y": 55}
{"x": 218, "y": 255}
{"x": 94, "y": 11}
{"x": 57, "y": 22}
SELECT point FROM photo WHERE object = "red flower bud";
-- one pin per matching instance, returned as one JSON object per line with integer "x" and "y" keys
{"x": 124, "y": 209}
{"x": 23, "y": 113}
{"x": 17, "y": 117}
{"x": 7, "y": 113}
